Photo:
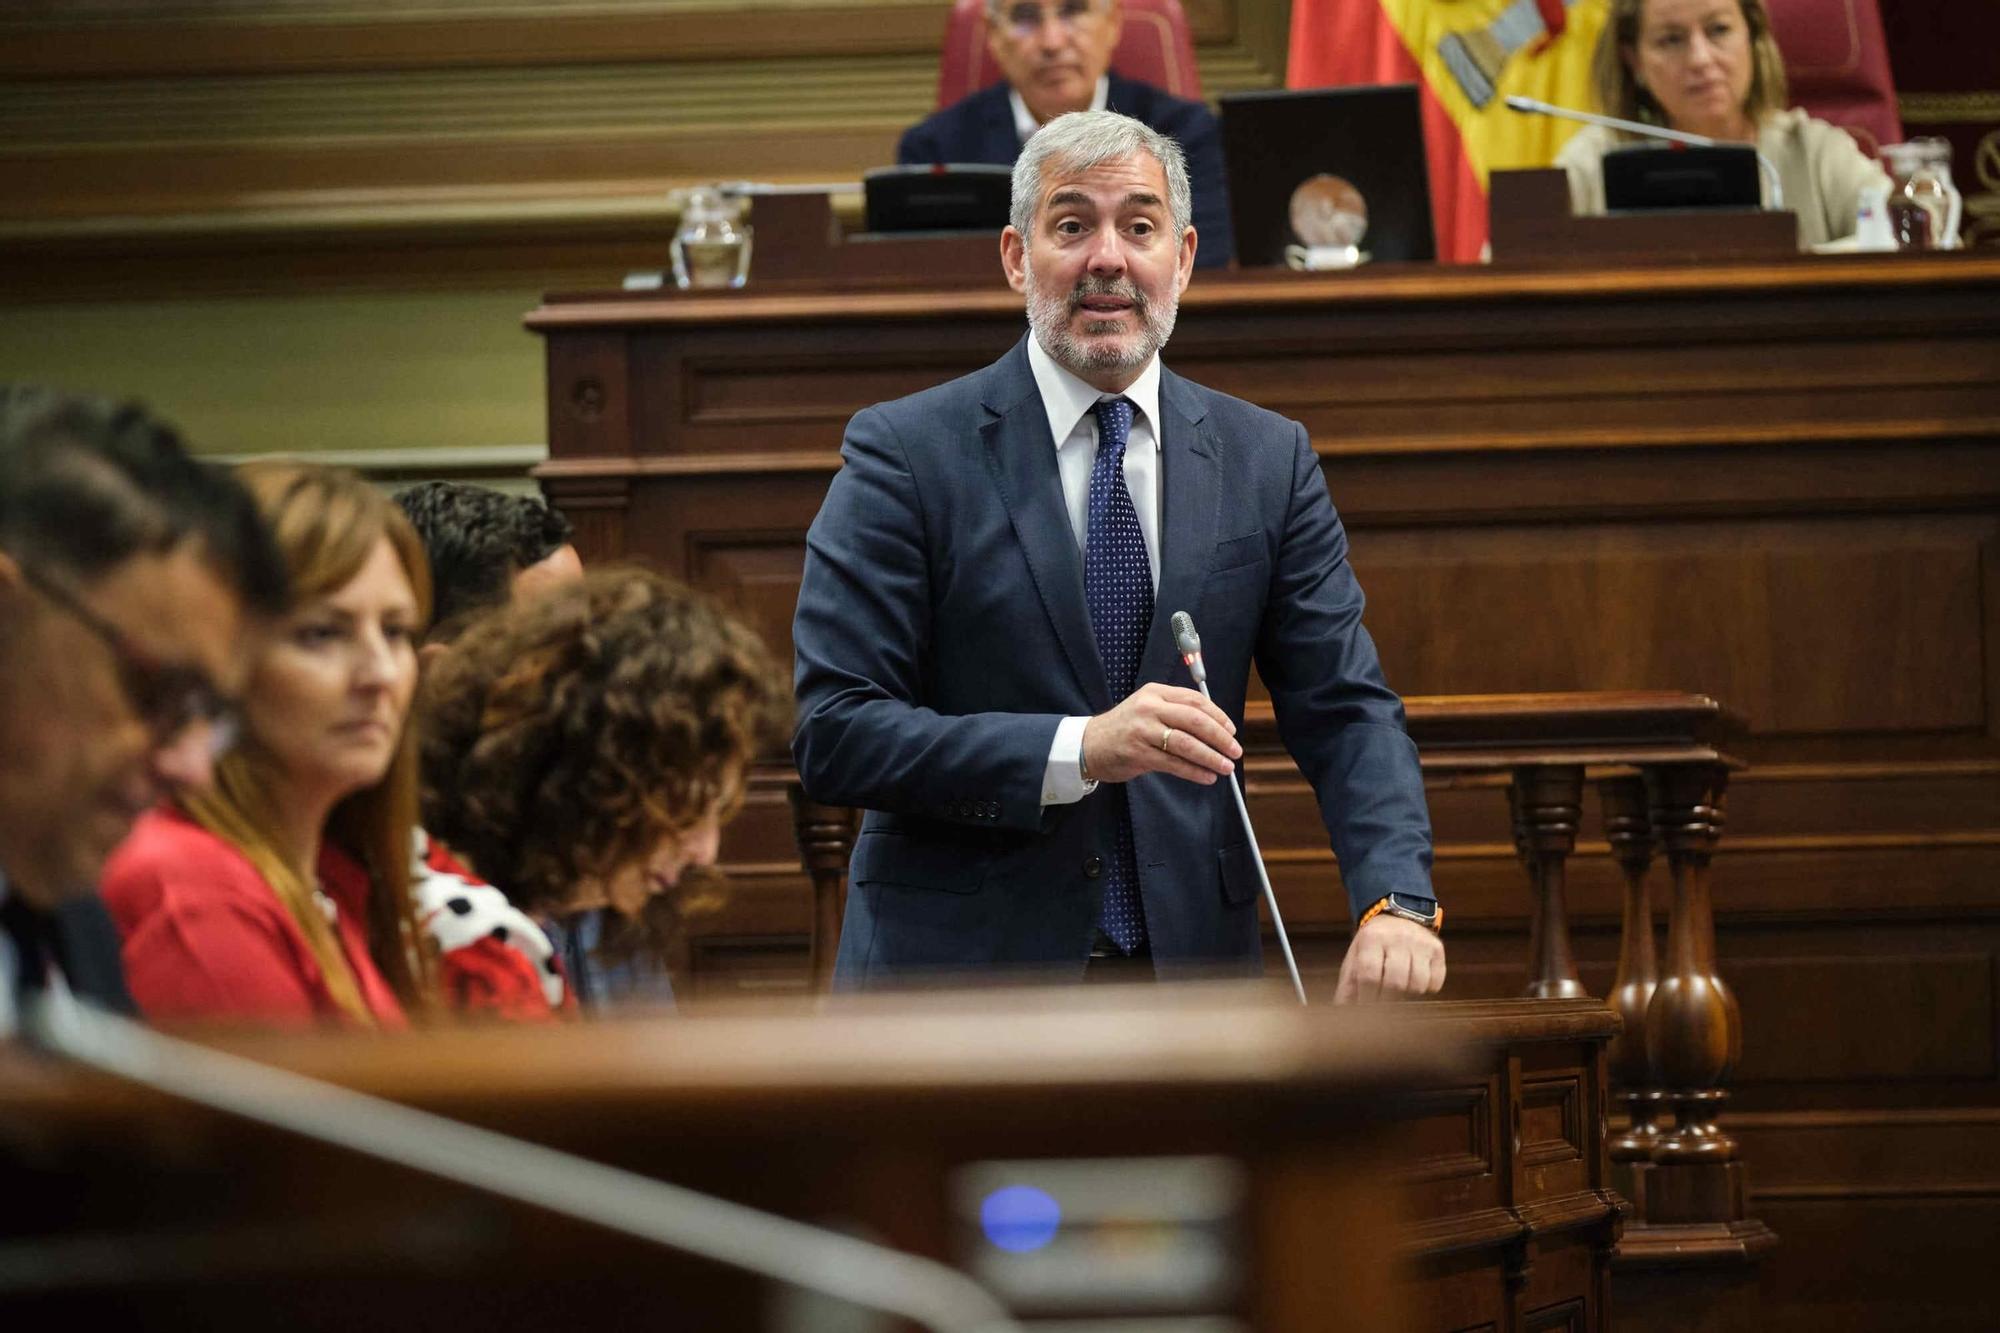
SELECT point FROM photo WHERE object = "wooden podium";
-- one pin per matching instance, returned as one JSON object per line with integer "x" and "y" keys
{"x": 1426, "y": 1167}
{"x": 1530, "y": 219}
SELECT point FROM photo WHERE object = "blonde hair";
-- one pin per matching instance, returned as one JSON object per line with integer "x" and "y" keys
{"x": 326, "y": 523}
{"x": 1619, "y": 93}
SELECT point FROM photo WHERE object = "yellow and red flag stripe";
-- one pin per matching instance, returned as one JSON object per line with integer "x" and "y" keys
{"x": 1466, "y": 58}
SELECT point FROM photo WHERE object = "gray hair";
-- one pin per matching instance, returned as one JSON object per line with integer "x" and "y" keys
{"x": 1085, "y": 139}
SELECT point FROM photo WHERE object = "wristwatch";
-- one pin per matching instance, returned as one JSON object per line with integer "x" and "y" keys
{"x": 1424, "y": 911}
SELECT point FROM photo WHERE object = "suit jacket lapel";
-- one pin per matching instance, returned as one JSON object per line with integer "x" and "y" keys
{"x": 1023, "y": 462}
{"x": 1191, "y": 475}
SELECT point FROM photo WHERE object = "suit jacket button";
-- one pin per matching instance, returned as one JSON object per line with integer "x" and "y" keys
{"x": 993, "y": 809}
{"x": 1093, "y": 866}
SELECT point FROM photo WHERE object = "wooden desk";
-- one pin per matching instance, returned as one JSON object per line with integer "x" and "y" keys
{"x": 871, "y": 1115}
{"x": 1774, "y": 482}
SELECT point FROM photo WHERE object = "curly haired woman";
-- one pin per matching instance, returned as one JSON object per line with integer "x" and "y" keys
{"x": 584, "y": 749}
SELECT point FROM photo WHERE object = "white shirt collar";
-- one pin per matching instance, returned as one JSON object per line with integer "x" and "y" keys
{"x": 1025, "y": 123}
{"x": 1066, "y": 398}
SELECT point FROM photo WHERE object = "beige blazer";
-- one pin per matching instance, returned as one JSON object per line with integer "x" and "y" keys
{"x": 1819, "y": 165}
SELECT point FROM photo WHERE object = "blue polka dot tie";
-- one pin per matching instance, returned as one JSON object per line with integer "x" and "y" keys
{"x": 1118, "y": 585}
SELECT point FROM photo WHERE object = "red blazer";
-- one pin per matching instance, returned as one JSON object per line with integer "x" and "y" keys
{"x": 205, "y": 937}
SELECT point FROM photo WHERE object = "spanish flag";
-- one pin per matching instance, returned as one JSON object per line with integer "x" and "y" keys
{"x": 1466, "y": 57}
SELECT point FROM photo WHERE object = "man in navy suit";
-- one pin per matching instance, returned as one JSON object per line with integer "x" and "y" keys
{"x": 984, "y": 656}
{"x": 1057, "y": 58}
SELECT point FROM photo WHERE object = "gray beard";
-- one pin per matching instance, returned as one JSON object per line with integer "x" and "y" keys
{"x": 1049, "y": 316}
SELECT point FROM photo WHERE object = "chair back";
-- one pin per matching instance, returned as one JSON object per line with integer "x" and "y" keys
{"x": 1837, "y": 62}
{"x": 1153, "y": 47}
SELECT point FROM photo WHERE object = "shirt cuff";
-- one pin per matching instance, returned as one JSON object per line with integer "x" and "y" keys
{"x": 1062, "y": 780}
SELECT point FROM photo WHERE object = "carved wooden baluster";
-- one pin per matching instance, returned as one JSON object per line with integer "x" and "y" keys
{"x": 1694, "y": 1033}
{"x": 1547, "y": 801}
{"x": 826, "y": 842}
{"x": 1630, "y": 832}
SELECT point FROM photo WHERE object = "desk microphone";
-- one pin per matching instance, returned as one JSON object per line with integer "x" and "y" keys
{"x": 1533, "y": 107}
{"x": 1190, "y": 645}
{"x": 852, "y": 1270}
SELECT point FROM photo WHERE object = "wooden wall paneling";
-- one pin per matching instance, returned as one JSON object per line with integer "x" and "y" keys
{"x": 254, "y": 145}
{"x": 260, "y": 37}
{"x": 1897, "y": 601}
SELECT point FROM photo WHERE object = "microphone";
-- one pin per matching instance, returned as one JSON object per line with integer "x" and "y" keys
{"x": 871, "y": 1276}
{"x": 1534, "y": 107}
{"x": 1189, "y": 644}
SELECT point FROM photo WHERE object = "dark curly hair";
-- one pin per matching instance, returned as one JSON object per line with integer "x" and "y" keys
{"x": 477, "y": 540}
{"x": 563, "y": 739}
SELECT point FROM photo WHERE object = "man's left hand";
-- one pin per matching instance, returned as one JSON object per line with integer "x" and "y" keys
{"x": 1391, "y": 959}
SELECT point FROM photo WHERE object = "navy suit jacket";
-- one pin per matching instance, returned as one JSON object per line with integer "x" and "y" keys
{"x": 942, "y": 635}
{"x": 980, "y": 128}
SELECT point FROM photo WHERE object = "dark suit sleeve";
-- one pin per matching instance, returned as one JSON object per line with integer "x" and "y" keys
{"x": 87, "y": 950}
{"x": 864, "y": 637}
{"x": 1195, "y": 128}
{"x": 920, "y": 145}
{"x": 1338, "y": 717}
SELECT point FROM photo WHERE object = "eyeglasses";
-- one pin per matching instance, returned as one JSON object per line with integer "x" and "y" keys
{"x": 1027, "y": 19}
{"x": 168, "y": 697}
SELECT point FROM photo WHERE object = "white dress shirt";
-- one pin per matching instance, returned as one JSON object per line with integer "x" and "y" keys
{"x": 1025, "y": 123}
{"x": 1073, "y": 426}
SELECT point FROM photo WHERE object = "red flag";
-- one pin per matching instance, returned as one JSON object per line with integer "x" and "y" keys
{"x": 1465, "y": 58}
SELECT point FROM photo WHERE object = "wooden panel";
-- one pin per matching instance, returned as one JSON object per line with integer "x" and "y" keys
{"x": 1749, "y": 611}
{"x": 1450, "y": 1138}
{"x": 1895, "y": 1264}
{"x": 1938, "y": 1006}
{"x": 1835, "y": 1156}
{"x": 1569, "y": 1316}
{"x": 1551, "y": 1121}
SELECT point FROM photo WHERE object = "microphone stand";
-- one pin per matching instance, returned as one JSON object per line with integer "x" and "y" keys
{"x": 856, "y": 1271}
{"x": 1533, "y": 107}
{"x": 1190, "y": 646}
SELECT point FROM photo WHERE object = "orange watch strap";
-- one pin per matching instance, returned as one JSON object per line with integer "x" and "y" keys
{"x": 1437, "y": 922}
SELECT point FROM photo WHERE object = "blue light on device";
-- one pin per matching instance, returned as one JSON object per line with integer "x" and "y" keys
{"x": 1020, "y": 1218}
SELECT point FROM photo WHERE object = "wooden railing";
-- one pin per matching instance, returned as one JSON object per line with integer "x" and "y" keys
{"x": 1660, "y": 769}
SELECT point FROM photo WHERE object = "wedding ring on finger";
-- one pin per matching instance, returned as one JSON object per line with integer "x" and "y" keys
{"x": 1165, "y": 736}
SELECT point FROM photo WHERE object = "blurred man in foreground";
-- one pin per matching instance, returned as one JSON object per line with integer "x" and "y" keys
{"x": 133, "y": 581}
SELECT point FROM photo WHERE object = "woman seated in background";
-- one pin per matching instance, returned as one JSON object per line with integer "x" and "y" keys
{"x": 1711, "y": 67}
{"x": 282, "y": 895}
{"x": 584, "y": 748}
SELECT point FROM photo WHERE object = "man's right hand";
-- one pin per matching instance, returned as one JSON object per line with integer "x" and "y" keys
{"x": 1199, "y": 739}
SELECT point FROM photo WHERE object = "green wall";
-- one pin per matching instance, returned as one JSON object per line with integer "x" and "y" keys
{"x": 308, "y": 373}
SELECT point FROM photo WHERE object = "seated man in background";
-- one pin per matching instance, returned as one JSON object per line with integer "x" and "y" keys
{"x": 582, "y": 750}
{"x": 133, "y": 583}
{"x": 485, "y": 547}
{"x": 1056, "y": 55}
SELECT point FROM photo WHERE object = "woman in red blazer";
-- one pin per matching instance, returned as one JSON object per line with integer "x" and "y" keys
{"x": 283, "y": 895}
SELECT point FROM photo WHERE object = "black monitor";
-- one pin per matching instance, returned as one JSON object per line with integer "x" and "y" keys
{"x": 1368, "y": 144}
{"x": 1650, "y": 177}
{"x": 955, "y": 198}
